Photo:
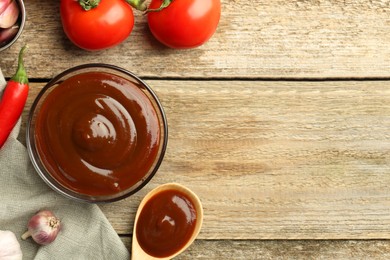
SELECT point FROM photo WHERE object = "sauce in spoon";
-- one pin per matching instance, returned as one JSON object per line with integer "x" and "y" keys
{"x": 167, "y": 222}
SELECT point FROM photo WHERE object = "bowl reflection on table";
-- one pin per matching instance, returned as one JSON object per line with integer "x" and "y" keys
{"x": 96, "y": 133}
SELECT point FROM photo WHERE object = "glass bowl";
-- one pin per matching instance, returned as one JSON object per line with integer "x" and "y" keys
{"x": 21, "y": 21}
{"x": 96, "y": 133}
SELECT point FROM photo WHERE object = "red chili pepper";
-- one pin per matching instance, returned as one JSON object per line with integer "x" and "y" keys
{"x": 13, "y": 100}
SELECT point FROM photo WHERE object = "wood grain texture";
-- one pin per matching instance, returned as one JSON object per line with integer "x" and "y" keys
{"x": 283, "y": 249}
{"x": 276, "y": 159}
{"x": 285, "y": 169}
{"x": 255, "y": 39}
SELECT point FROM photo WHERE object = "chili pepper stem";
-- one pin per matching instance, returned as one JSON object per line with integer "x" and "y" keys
{"x": 21, "y": 74}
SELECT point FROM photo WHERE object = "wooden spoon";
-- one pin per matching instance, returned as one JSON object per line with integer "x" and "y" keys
{"x": 137, "y": 251}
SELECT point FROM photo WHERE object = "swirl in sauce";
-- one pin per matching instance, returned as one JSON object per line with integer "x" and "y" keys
{"x": 97, "y": 133}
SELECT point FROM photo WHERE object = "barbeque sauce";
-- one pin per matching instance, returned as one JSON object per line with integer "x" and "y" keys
{"x": 166, "y": 223}
{"x": 97, "y": 133}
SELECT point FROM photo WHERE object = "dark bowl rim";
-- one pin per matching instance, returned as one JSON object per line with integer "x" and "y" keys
{"x": 73, "y": 195}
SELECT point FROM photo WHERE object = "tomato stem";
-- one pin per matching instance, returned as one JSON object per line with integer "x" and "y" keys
{"x": 138, "y": 4}
{"x": 163, "y": 5}
{"x": 89, "y": 4}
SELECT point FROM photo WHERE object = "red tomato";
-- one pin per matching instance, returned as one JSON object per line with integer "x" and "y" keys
{"x": 102, "y": 27}
{"x": 184, "y": 23}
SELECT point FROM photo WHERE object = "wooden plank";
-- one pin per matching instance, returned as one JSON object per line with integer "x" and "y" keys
{"x": 283, "y": 249}
{"x": 276, "y": 160}
{"x": 255, "y": 39}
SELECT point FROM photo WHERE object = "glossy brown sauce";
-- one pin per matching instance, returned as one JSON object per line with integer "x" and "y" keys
{"x": 97, "y": 133}
{"x": 166, "y": 223}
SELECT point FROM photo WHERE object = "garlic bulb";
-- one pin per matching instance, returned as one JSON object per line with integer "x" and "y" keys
{"x": 9, "y": 246}
{"x": 3, "y": 5}
{"x": 9, "y": 25}
{"x": 7, "y": 34}
{"x": 43, "y": 227}
{"x": 10, "y": 14}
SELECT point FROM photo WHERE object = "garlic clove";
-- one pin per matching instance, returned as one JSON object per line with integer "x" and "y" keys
{"x": 43, "y": 227}
{"x": 4, "y": 4}
{"x": 10, "y": 15}
{"x": 6, "y": 35}
{"x": 9, "y": 246}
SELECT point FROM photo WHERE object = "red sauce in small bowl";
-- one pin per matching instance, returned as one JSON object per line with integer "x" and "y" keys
{"x": 97, "y": 134}
{"x": 166, "y": 223}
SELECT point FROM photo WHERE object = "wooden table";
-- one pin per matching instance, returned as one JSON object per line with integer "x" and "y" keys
{"x": 280, "y": 123}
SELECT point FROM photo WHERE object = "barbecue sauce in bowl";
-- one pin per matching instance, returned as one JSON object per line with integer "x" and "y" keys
{"x": 97, "y": 134}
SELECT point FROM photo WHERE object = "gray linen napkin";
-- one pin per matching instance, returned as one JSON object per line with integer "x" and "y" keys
{"x": 86, "y": 232}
